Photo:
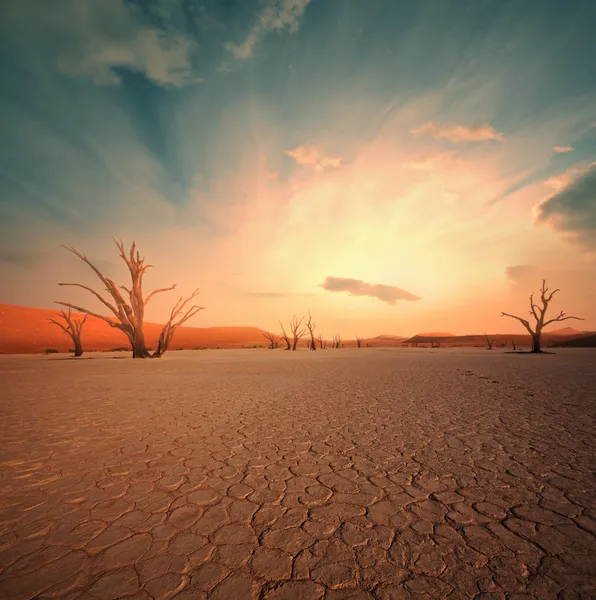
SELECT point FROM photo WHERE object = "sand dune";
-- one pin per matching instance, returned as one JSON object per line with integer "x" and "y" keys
{"x": 27, "y": 330}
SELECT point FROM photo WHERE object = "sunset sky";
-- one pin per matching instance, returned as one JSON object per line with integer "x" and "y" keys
{"x": 393, "y": 166}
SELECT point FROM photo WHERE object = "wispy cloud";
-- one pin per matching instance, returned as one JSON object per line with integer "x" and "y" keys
{"x": 281, "y": 294}
{"x": 95, "y": 39}
{"x": 309, "y": 156}
{"x": 429, "y": 161}
{"x": 356, "y": 287}
{"x": 521, "y": 274}
{"x": 563, "y": 149}
{"x": 572, "y": 209}
{"x": 277, "y": 15}
{"x": 460, "y": 133}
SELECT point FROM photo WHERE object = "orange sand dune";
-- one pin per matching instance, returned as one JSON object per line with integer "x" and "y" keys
{"x": 27, "y": 330}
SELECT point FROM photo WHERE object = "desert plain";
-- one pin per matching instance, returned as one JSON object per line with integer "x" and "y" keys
{"x": 377, "y": 473}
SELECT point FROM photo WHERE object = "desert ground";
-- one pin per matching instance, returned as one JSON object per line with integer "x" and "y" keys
{"x": 240, "y": 474}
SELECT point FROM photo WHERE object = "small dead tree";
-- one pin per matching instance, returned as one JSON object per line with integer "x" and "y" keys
{"x": 71, "y": 327}
{"x": 310, "y": 325}
{"x": 321, "y": 341}
{"x": 358, "y": 341}
{"x": 177, "y": 318}
{"x": 273, "y": 340}
{"x": 513, "y": 344}
{"x": 336, "y": 341}
{"x": 130, "y": 314}
{"x": 297, "y": 331}
{"x": 285, "y": 337}
{"x": 539, "y": 314}
{"x": 489, "y": 342}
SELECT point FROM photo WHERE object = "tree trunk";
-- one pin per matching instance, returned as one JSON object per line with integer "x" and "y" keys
{"x": 78, "y": 348}
{"x": 536, "y": 342}
{"x": 137, "y": 343}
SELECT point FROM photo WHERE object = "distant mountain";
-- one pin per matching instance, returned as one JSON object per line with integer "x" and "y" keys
{"x": 585, "y": 340}
{"x": 566, "y": 331}
{"x": 435, "y": 334}
{"x": 27, "y": 330}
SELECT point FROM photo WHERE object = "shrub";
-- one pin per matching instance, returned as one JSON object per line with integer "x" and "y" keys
{"x": 51, "y": 351}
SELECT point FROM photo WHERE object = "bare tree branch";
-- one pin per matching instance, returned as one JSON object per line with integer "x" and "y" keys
{"x": 158, "y": 292}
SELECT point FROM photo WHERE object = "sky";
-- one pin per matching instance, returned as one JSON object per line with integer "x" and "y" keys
{"x": 391, "y": 167}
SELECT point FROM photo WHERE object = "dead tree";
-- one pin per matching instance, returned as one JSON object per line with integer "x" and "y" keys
{"x": 513, "y": 344}
{"x": 273, "y": 340}
{"x": 297, "y": 331}
{"x": 285, "y": 337}
{"x": 321, "y": 341}
{"x": 358, "y": 342}
{"x": 177, "y": 318}
{"x": 539, "y": 314}
{"x": 130, "y": 314}
{"x": 336, "y": 341}
{"x": 310, "y": 325}
{"x": 72, "y": 328}
{"x": 489, "y": 342}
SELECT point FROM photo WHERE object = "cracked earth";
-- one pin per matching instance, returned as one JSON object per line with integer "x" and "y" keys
{"x": 373, "y": 473}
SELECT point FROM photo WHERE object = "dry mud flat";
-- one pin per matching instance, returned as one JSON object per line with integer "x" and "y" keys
{"x": 342, "y": 474}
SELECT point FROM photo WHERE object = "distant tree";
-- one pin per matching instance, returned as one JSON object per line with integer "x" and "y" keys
{"x": 539, "y": 314}
{"x": 310, "y": 325}
{"x": 358, "y": 341}
{"x": 130, "y": 315}
{"x": 321, "y": 341}
{"x": 273, "y": 340}
{"x": 489, "y": 342}
{"x": 71, "y": 327}
{"x": 297, "y": 331}
{"x": 513, "y": 344}
{"x": 285, "y": 337}
{"x": 336, "y": 341}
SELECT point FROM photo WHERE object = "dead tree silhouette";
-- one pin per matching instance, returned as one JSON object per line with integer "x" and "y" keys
{"x": 321, "y": 341}
{"x": 285, "y": 337}
{"x": 358, "y": 342}
{"x": 273, "y": 340}
{"x": 72, "y": 328}
{"x": 310, "y": 325}
{"x": 539, "y": 314}
{"x": 297, "y": 332}
{"x": 130, "y": 315}
{"x": 489, "y": 342}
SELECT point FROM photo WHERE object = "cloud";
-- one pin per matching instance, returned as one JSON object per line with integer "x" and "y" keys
{"x": 277, "y": 15}
{"x": 311, "y": 157}
{"x": 563, "y": 149}
{"x": 572, "y": 209}
{"x": 281, "y": 294}
{"x": 93, "y": 39}
{"x": 430, "y": 161}
{"x": 460, "y": 133}
{"x": 520, "y": 273}
{"x": 357, "y": 287}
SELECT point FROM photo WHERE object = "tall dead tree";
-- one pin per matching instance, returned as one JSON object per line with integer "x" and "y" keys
{"x": 297, "y": 331}
{"x": 273, "y": 340}
{"x": 285, "y": 337}
{"x": 71, "y": 327}
{"x": 321, "y": 341}
{"x": 358, "y": 342}
{"x": 130, "y": 314}
{"x": 539, "y": 314}
{"x": 310, "y": 325}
